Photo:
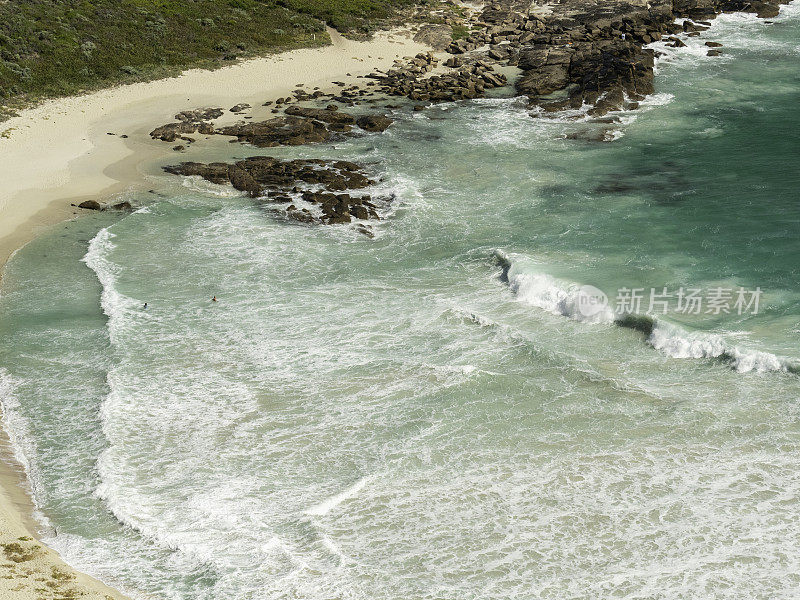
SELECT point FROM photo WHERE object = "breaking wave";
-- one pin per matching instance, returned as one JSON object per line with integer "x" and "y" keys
{"x": 565, "y": 299}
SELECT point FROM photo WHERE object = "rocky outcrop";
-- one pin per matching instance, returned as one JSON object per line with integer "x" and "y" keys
{"x": 466, "y": 79}
{"x": 299, "y": 125}
{"x": 95, "y": 205}
{"x": 437, "y": 36}
{"x": 594, "y": 54}
{"x": 326, "y": 198}
{"x": 188, "y": 122}
{"x": 570, "y": 53}
{"x": 90, "y": 205}
{"x": 280, "y": 131}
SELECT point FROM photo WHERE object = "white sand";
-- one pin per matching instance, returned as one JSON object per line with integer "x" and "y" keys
{"x": 61, "y": 152}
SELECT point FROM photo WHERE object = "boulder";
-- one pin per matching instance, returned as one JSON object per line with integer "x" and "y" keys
{"x": 373, "y": 123}
{"x": 436, "y": 36}
{"x": 90, "y": 205}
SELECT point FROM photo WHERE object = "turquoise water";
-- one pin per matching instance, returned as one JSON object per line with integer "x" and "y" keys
{"x": 426, "y": 414}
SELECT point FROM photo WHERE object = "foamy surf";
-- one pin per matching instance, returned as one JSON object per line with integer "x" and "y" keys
{"x": 676, "y": 342}
{"x": 324, "y": 507}
{"x": 546, "y": 292}
{"x": 20, "y": 437}
{"x": 115, "y": 304}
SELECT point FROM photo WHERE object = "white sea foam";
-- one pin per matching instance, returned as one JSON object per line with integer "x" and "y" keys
{"x": 324, "y": 507}
{"x": 20, "y": 437}
{"x": 197, "y": 184}
{"x": 734, "y": 30}
{"x": 114, "y": 303}
{"x": 548, "y": 293}
{"x": 679, "y": 343}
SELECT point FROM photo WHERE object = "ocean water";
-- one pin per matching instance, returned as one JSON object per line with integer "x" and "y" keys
{"x": 430, "y": 414}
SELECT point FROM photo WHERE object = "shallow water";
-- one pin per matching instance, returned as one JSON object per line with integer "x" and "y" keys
{"x": 426, "y": 414}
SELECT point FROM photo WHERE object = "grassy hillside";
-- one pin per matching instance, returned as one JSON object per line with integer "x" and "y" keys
{"x": 59, "y": 47}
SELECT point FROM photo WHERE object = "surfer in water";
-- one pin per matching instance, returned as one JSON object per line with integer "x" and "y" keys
{"x": 214, "y": 299}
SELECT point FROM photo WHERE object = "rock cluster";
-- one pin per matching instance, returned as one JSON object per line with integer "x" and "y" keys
{"x": 325, "y": 199}
{"x": 188, "y": 122}
{"x": 463, "y": 80}
{"x": 594, "y": 54}
{"x": 95, "y": 205}
{"x": 299, "y": 125}
{"x": 570, "y": 53}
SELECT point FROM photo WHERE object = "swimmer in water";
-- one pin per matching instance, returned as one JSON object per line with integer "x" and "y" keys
{"x": 214, "y": 299}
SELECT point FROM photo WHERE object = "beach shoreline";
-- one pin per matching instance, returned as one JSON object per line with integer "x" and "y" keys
{"x": 70, "y": 150}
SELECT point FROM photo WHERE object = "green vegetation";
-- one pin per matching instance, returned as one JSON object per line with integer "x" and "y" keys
{"x": 460, "y": 32}
{"x": 59, "y": 47}
{"x": 349, "y": 16}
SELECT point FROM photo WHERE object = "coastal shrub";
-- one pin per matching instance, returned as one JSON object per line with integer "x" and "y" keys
{"x": 347, "y": 15}
{"x": 87, "y": 48}
{"x": 460, "y": 32}
{"x": 57, "y": 47}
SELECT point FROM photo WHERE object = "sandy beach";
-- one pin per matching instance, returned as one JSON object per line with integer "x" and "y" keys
{"x": 62, "y": 153}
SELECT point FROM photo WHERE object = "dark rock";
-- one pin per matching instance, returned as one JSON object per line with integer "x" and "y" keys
{"x": 373, "y": 123}
{"x": 365, "y": 230}
{"x": 200, "y": 114}
{"x": 90, "y": 205}
{"x": 765, "y": 10}
{"x": 171, "y": 131}
{"x": 360, "y": 212}
{"x": 321, "y": 114}
{"x": 280, "y": 131}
